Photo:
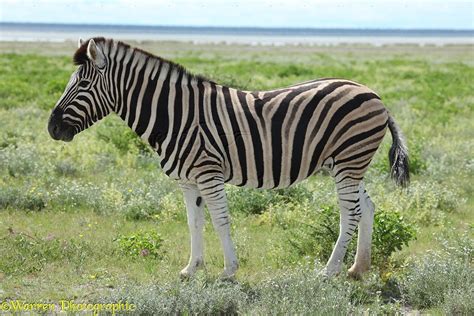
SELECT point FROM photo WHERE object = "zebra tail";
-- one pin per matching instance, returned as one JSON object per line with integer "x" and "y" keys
{"x": 398, "y": 155}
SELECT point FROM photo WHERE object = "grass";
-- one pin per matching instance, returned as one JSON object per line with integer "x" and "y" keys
{"x": 74, "y": 217}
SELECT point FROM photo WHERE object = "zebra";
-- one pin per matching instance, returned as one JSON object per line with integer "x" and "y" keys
{"x": 207, "y": 134}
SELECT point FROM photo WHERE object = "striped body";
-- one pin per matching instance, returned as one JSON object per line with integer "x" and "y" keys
{"x": 277, "y": 138}
{"x": 208, "y": 134}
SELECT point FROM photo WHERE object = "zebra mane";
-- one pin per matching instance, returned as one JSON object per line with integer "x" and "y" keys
{"x": 80, "y": 56}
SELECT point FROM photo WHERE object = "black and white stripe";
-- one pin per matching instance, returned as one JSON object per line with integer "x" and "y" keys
{"x": 207, "y": 134}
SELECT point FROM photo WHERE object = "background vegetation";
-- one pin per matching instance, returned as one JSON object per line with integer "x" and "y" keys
{"x": 95, "y": 220}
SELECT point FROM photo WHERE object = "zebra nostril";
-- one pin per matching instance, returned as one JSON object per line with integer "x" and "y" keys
{"x": 55, "y": 130}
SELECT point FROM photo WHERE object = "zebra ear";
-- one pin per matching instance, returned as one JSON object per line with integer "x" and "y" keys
{"x": 95, "y": 54}
{"x": 80, "y": 42}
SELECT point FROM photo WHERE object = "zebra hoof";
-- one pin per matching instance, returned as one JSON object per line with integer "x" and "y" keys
{"x": 328, "y": 273}
{"x": 227, "y": 277}
{"x": 185, "y": 275}
{"x": 229, "y": 273}
{"x": 356, "y": 273}
{"x": 190, "y": 270}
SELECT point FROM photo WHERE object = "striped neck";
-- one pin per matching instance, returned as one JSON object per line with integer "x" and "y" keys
{"x": 150, "y": 93}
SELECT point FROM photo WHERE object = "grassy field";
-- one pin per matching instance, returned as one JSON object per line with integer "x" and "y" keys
{"x": 95, "y": 220}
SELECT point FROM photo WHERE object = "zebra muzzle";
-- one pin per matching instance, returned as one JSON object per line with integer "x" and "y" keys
{"x": 58, "y": 129}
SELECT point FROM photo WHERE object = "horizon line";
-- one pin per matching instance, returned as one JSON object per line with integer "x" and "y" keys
{"x": 244, "y": 27}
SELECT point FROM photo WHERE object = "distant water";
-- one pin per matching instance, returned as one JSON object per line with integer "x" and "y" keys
{"x": 233, "y": 35}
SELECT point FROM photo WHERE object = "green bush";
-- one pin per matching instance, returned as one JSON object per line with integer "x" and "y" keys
{"x": 253, "y": 201}
{"x": 316, "y": 234}
{"x": 391, "y": 233}
{"x": 144, "y": 244}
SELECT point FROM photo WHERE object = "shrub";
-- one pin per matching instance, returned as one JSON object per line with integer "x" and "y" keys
{"x": 24, "y": 199}
{"x": 253, "y": 201}
{"x": 194, "y": 297}
{"x": 144, "y": 243}
{"x": 391, "y": 233}
{"x": 71, "y": 194}
{"x": 315, "y": 233}
{"x": 459, "y": 301}
{"x": 20, "y": 161}
{"x": 249, "y": 201}
{"x": 155, "y": 200}
{"x": 66, "y": 168}
{"x": 140, "y": 208}
{"x": 9, "y": 138}
{"x": 303, "y": 292}
{"x": 443, "y": 279}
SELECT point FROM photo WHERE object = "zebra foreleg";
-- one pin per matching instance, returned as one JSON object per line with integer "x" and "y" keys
{"x": 364, "y": 239}
{"x": 350, "y": 214}
{"x": 213, "y": 192}
{"x": 195, "y": 209}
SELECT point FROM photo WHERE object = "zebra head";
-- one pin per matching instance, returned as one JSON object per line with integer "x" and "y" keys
{"x": 87, "y": 96}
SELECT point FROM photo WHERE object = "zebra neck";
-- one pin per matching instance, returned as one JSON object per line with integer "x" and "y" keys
{"x": 155, "y": 97}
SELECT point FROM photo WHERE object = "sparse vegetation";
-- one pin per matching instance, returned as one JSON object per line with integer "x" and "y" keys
{"x": 96, "y": 220}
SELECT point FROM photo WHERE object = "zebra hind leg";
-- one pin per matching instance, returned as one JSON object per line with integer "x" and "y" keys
{"x": 364, "y": 238}
{"x": 350, "y": 214}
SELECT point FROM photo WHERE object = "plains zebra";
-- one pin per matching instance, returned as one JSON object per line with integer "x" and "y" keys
{"x": 208, "y": 134}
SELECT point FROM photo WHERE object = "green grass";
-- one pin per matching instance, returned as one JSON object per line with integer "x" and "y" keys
{"x": 73, "y": 217}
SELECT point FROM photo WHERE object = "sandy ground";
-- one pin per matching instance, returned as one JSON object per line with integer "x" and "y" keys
{"x": 461, "y": 53}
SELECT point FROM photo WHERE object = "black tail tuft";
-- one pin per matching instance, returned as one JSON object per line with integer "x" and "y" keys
{"x": 398, "y": 155}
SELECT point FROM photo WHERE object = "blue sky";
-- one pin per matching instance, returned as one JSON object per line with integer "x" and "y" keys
{"x": 429, "y": 14}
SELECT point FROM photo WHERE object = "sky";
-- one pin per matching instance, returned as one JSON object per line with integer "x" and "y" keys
{"x": 376, "y": 14}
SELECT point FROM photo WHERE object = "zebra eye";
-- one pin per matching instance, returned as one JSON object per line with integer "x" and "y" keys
{"x": 84, "y": 83}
